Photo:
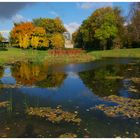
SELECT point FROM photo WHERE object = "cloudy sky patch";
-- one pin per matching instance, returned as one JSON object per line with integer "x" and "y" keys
{"x": 72, "y": 27}
{"x": 9, "y": 9}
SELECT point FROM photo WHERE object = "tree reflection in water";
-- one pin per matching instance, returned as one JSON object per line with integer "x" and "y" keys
{"x": 36, "y": 74}
{"x": 1, "y": 71}
{"x": 108, "y": 80}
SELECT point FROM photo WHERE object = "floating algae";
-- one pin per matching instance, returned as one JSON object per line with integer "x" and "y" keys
{"x": 53, "y": 115}
{"x": 133, "y": 89}
{"x": 126, "y": 107}
{"x": 9, "y": 86}
{"x": 68, "y": 135}
{"x": 4, "y": 104}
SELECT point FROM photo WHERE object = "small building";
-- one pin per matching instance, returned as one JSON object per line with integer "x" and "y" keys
{"x": 4, "y": 43}
{"x": 67, "y": 35}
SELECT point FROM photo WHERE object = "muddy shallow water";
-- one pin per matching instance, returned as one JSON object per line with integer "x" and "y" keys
{"x": 73, "y": 88}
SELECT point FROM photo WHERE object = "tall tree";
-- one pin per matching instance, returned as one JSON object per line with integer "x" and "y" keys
{"x": 57, "y": 41}
{"x": 100, "y": 29}
{"x": 133, "y": 26}
{"x": 50, "y": 25}
{"x": 39, "y": 38}
{"x": 21, "y": 34}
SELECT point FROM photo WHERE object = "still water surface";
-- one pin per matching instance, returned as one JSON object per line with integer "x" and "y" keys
{"x": 74, "y": 87}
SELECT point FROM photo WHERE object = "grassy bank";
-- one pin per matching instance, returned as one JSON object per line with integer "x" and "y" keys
{"x": 135, "y": 53}
{"x": 14, "y": 54}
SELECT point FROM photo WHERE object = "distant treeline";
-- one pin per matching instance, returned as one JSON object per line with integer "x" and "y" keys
{"x": 106, "y": 28}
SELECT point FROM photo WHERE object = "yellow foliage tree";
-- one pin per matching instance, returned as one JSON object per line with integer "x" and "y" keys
{"x": 21, "y": 33}
{"x": 24, "y": 41}
{"x": 43, "y": 42}
{"x": 35, "y": 42}
{"x": 57, "y": 41}
{"x": 39, "y": 38}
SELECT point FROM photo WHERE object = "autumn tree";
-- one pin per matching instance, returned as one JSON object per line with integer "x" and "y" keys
{"x": 21, "y": 34}
{"x": 24, "y": 41}
{"x": 54, "y": 29}
{"x": 39, "y": 38}
{"x": 42, "y": 33}
{"x": 57, "y": 41}
{"x": 50, "y": 25}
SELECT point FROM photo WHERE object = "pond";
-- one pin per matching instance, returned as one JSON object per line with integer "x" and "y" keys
{"x": 68, "y": 93}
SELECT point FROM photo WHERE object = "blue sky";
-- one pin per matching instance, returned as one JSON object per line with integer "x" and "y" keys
{"x": 71, "y": 13}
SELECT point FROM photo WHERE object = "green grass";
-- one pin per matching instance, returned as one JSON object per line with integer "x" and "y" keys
{"x": 135, "y": 53}
{"x": 15, "y": 54}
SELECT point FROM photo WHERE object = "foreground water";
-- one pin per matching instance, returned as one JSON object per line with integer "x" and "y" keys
{"x": 73, "y": 88}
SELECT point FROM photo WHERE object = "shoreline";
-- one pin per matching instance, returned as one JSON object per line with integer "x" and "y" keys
{"x": 13, "y": 55}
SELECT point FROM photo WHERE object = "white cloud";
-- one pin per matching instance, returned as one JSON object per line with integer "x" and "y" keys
{"x": 19, "y": 18}
{"x": 53, "y": 13}
{"x": 86, "y": 5}
{"x": 93, "y": 5}
{"x": 72, "y": 27}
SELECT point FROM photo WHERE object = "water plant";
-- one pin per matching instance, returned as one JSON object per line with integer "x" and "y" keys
{"x": 54, "y": 115}
{"x": 68, "y": 135}
{"x": 4, "y": 104}
{"x": 126, "y": 107}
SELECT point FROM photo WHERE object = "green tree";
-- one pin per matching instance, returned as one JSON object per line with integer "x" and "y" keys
{"x": 50, "y": 25}
{"x": 133, "y": 26}
{"x": 100, "y": 29}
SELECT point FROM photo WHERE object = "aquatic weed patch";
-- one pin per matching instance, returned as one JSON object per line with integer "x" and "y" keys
{"x": 68, "y": 135}
{"x": 54, "y": 115}
{"x": 126, "y": 107}
{"x": 4, "y": 104}
{"x": 10, "y": 86}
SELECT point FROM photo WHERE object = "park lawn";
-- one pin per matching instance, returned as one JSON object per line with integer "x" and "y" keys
{"x": 13, "y": 55}
{"x": 133, "y": 53}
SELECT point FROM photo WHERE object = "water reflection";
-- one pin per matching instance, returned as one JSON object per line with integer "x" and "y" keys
{"x": 28, "y": 74}
{"x": 75, "y": 88}
{"x": 111, "y": 79}
{"x": 1, "y": 71}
